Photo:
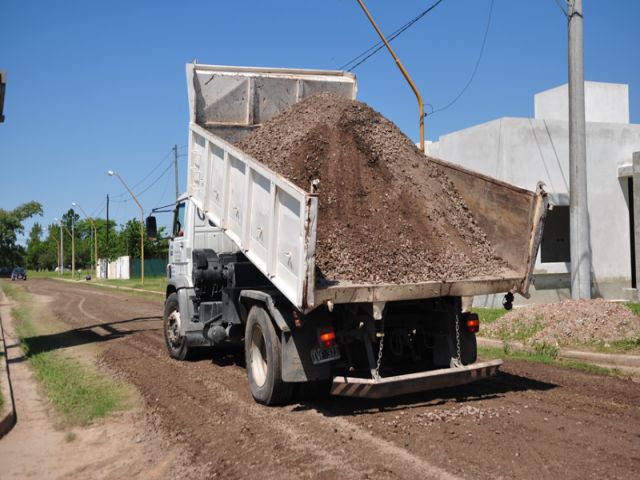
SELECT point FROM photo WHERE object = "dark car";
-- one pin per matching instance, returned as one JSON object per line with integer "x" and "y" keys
{"x": 5, "y": 272}
{"x": 18, "y": 274}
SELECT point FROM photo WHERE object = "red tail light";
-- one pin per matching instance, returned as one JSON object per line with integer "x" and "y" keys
{"x": 327, "y": 337}
{"x": 473, "y": 323}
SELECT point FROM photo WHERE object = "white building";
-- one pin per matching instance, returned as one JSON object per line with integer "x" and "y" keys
{"x": 523, "y": 151}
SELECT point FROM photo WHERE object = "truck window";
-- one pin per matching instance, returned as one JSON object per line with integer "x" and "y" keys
{"x": 178, "y": 220}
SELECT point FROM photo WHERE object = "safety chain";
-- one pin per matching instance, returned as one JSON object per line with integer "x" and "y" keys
{"x": 377, "y": 372}
{"x": 457, "y": 362}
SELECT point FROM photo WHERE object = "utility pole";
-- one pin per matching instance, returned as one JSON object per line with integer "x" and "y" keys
{"x": 106, "y": 269}
{"x": 579, "y": 214}
{"x": 175, "y": 166}
{"x": 61, "y": 250}
{"x": 73, "y": 246}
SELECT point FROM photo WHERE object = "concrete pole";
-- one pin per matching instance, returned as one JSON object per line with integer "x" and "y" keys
{"x": 580, "y": 247}
{"x": 636, "y": 213}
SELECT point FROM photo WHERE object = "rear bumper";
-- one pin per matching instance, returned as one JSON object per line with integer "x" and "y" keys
{"x": 413, "y": 382}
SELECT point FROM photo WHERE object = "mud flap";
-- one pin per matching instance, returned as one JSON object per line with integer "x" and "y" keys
{"x": 296, "y": 357}
{"x": 413, "y": 382}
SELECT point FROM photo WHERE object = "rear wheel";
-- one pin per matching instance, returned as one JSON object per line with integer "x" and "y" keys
{"x": 263, "y": 355}
{"x": 176, "y": 343}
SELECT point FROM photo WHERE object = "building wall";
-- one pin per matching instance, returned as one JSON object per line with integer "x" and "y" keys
{"x": 524, "y": 151}
{"x": 604, "y": 103}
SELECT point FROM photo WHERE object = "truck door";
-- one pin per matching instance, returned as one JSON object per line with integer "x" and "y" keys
{"x": 180, "y": 249}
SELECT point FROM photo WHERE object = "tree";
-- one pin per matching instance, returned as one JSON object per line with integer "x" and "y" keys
{"x": 11, "y": 225}
{"x": 36, "y": 249}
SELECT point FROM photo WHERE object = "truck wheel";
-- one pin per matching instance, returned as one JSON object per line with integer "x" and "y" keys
{"x": 176, "y": 343}
{"x": 263, "y": 358}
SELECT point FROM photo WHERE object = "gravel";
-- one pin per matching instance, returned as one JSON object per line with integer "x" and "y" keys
{"x": 386, "y": 213}
{"x": 571, "y": 322}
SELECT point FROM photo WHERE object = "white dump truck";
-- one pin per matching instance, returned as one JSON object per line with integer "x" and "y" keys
{"x": 242, "y": 261}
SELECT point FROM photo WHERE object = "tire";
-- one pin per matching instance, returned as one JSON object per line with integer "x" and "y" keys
{"x": 176, "y": 343}
{"x": 263, "y": 354}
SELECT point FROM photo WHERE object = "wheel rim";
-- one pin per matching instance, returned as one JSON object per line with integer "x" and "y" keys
{"x": 173, "y": 328}
{"x": 258, "y": 357}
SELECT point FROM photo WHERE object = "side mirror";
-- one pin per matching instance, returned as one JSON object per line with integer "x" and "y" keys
{"x": 152, "y": 228}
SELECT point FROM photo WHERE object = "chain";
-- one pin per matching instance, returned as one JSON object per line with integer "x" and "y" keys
{"x": 457, "y": 362}
{"x": 377, "y": 372}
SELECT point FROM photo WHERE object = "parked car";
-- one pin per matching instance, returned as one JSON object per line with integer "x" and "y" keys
{"x": 18, "y": 273}
{"x": 5, "y": 272}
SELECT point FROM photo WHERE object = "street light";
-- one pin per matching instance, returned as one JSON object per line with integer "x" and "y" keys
{"x": 111, "y": 173}
{"x": 95, "y": 235}
{"x": 73, "y": 246}
{"x": 61, "y": 247}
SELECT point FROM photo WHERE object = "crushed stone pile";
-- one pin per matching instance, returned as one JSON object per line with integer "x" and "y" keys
{"x": 571, "y": 322}
{"x": 386, "y": 213}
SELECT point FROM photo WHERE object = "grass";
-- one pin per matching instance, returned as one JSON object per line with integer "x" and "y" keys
{"x": 78, "y": 393}
{"x": 634, "y": 307}
{"x": 489, "y": 315}
{"x": 547, "y": 357}
{"x": 155, "y": 284}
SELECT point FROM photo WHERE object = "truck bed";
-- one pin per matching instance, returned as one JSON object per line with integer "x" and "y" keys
{"x": 274, "y": 221}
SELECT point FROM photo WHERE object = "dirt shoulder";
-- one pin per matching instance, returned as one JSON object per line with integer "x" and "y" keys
{"x": 120, "y": 445}
{"x": 529, "y": 420}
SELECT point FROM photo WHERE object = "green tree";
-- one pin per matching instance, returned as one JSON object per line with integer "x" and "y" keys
{"x": 35, "y": 248}
{"x": 11, "y": 225}
{"x": 128, "y": 242}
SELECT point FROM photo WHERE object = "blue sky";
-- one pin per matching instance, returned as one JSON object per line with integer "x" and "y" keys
{"x": 94, "y": 86}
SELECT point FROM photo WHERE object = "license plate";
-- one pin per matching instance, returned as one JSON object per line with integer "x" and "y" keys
{"x": 322, "y": 355}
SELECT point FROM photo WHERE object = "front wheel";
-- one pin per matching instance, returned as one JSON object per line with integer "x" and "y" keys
{"x": 176, "y": 343}
{"x": 263, "y": 356}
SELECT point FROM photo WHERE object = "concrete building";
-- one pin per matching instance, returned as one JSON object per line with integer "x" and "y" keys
{"x": 523, "y": 151}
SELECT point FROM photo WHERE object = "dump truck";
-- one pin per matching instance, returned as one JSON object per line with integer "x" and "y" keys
{"x": 242, "y": 270}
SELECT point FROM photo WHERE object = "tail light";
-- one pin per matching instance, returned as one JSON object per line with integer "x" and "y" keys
{"x": 327, "y": 337}
{"x": 473, "y": 322}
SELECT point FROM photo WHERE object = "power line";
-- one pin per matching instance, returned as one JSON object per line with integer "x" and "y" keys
{"x": 371, "y": 51}
{"x": 475, "y": 68}
{"x": 151, "y": 172}
{"x": 559, "y": 3}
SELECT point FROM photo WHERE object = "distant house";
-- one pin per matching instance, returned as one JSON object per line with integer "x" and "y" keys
{"x": 523, "y": 151}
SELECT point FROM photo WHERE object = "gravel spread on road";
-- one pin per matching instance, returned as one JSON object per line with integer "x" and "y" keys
{"x": 386, "y": 213}
{"x": 571, "y": 322}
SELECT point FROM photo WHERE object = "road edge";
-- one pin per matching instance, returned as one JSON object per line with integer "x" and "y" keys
{"x": 8, "y": 420}
{"x": 607, "y": 359}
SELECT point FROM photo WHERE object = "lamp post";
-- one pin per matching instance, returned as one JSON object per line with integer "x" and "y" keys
{"x": 111, "y": 173}
{"x": 73, "y": 248}
{"x": 95, "y": 235}
{"x": 57, "y": 252}
{"x": 73, "y": 251}
{"x": 61, "y": 247}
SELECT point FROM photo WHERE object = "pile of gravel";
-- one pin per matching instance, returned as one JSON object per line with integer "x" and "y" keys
{"x": 571, "y": 322}
{"x": 386, "y": 213}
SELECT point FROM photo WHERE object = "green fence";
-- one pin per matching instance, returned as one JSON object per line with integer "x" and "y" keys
{"x": 153, "y": 267}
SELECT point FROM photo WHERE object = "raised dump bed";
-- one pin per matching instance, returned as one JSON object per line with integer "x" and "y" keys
{"x": 274, "y": 221}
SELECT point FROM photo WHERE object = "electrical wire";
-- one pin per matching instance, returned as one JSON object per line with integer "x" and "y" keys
{"x": 566, "y": 13}
{"x": 371, "y": 51}
{"x": 475, "y": 68}
{"x": 151, "y": 172}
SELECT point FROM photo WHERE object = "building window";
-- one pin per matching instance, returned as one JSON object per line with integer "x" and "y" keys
{"x": 556, "y": 245}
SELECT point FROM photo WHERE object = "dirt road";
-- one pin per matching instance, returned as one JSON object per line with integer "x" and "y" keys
{"x": 529, "y": 421}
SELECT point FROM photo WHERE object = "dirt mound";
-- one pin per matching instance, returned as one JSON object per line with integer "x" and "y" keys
{"x": 386, "y": 214}
{"x": 572, "y": 322}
